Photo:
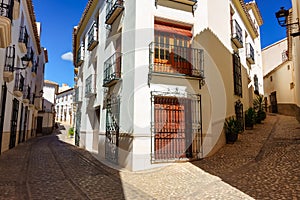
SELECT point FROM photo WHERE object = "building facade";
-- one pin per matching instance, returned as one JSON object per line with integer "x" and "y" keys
{"x": 64, "y": 106}
{"x": 155, "y": 79}
{"x": 295, "y": 50}
{"x": 22, "y": 66}
{"x": 279, "y": 78}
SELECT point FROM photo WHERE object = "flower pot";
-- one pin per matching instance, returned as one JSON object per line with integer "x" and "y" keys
{"x": 231, "y": 137}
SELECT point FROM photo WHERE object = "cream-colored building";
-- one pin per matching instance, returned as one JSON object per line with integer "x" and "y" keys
{"x": 155, "y": 79}
{"x": 22, "y": 65}
{"x": 279, "y": 78}
{"x": 281, "y": 63}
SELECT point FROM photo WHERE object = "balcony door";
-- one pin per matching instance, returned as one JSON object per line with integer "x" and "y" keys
{"x": 172, "y": 53}
{"x": 172, "y": 129}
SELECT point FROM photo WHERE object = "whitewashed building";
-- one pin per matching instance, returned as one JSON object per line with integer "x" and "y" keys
{"x": 155, "y": 79}
{"x": 22, "y": 65}
{"x": 64, "y": 106}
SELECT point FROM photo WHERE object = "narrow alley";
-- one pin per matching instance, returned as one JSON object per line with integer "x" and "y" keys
{"x": 262, "y": 164}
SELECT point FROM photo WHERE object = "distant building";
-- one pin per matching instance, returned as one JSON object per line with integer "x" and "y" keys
{"x": 281, "y": 63}
{"x": 279, "y": 78}
{"x": 50, "y": 90}
{"x": 46, "y": 118}
{"x": 64, "y": 106}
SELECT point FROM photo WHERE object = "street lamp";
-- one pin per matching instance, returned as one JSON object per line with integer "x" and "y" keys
{"x": 282, "y": 16}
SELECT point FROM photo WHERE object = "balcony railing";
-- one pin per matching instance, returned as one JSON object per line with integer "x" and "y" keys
{"x": 19, "y": 85}
{"x": 113, "y": 10}
{"x": 176, "y": 60}
{"x": 237, "y": 34}
{"x": 90, "y": 86}
{"x": 29, "y": 56}
{"x": 93, "y": 36}
{"x": 250, "y": 53}
{"x": 6, "y": 9}
{"x": 23, "y": 39}
{"x": 78, "y": 95}
{"x": 8, "y": 70}
{"x": 80, "y": 55}
{"x": 112, "y": 69}
{"x": 26, "y": 94}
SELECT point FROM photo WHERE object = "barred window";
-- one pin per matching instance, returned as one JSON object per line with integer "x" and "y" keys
{"x": 256, "y": 88}
{"x": 237, "y": 74}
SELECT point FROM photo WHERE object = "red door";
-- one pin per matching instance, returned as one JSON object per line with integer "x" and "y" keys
{"x": 170, "y": 128}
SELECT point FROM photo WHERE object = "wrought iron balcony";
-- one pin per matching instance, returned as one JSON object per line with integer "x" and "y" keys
{"x": 176, "y": 60}
{"x": 29, "y": 56}
{"x": 250, "y": 53}
{"x": 113, "y": 10}
{"x": 6, "y": 15}
{"x": 19, "y": 85}
{"x": 8, "y": 70}
{"x": 23, "y": 39}
{"x": 90, "y": 85}
{"x": 80, "y": 55}
{"x": 78, "y": 95}
{"x": 236, "y": 34}
{"x": 26, "y": 94}
{"x": 112, "y": 69}
{"x": 93, "y": 36}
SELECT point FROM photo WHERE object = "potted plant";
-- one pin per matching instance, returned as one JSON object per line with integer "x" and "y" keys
{"x": 231, "y": 130}
{"x": 250, "y": 117}
{"x": 259, "y": 108}
{"x": 71, "y": 132}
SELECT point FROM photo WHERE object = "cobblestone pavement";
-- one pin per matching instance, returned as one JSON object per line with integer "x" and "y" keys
{"x": 264, "y": 163}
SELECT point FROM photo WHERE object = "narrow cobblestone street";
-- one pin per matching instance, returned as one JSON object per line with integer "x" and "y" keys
{"x": 262, "y": 164}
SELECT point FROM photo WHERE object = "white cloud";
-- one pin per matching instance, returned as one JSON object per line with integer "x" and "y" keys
{"x": 67, "y": 56}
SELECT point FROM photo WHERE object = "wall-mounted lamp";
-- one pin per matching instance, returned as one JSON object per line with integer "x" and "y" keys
{"x": 25, "y": 61}
{"x": 282, "y": 16}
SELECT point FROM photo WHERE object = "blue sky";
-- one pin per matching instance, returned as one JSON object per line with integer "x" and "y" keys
{"x": 58, "y": 17}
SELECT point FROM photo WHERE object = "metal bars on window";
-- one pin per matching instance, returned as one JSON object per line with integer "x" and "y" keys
{"x": 6, "y": 8}
{"x": 112, "y": 129}
{"x": 112, "y": 69}
{"x": 10, "y": 59}
{"x": 176, "y": 127}
{"x": 239, "y": 113}
{"x": 237, "y": 74}
{"x": 19, "y": 82}
{"x": 24, "y": 37}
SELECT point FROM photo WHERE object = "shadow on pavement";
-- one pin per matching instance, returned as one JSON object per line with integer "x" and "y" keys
{"x": 263, "y": 162}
